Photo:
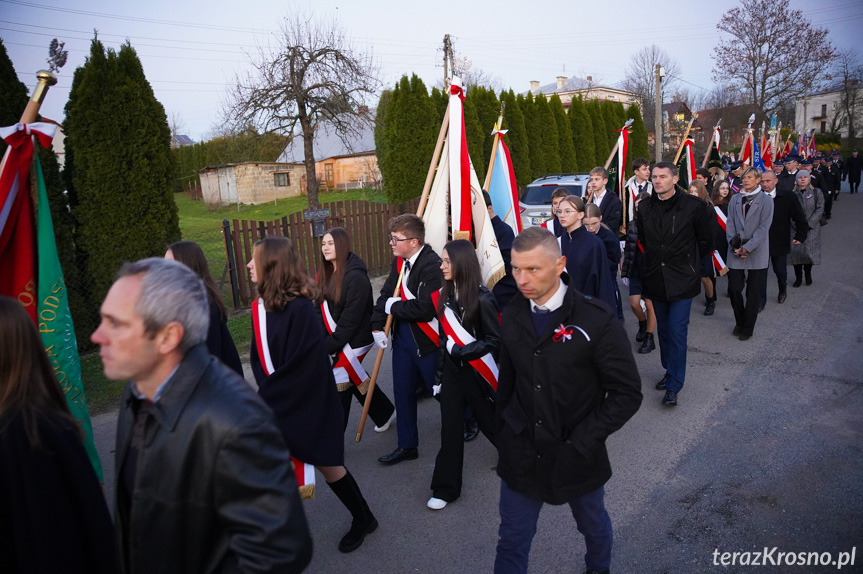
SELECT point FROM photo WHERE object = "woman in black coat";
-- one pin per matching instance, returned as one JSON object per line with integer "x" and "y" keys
{"x": 295, "y": 377}
{"x": 347, "y": 302}
{"x": 469, "y": 323}
{"x": 219, "y": 341}
{"x": 53, "y": 516}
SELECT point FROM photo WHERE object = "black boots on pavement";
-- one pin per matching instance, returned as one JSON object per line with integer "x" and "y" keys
{"x": 348, "y": 491}
{"x": 645, "y": 338}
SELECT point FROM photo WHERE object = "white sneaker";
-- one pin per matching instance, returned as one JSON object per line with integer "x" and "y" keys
{"x": 386, "y": 426}
{"x": 436, "y": 503}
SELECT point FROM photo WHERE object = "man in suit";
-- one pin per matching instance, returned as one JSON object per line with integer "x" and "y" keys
{"x": 638, "y": 183}
{"x": 786, "y": 208}
{"x": 829, "y": 179}
{"x": 568, "y": 380}
{"x": 853, "y": 168}
{"x": 750, "y": 214}
{"x": 415, "y": 341}
{"x": 608, "y": 202}
{"x": 203, "y": 477}
{"x": 788, "y": 178}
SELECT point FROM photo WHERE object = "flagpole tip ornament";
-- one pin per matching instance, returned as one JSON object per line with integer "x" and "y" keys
{"x": 56, "y": 55}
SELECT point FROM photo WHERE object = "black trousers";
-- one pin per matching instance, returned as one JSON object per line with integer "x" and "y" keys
{"x": 745, "y": 314}
{"x": 828, "y": 203}
{"x": 780, "y": 269}
{"x": 854, "y": 184}
{"x": 457, "y": 393}
{"x": 380, "y": 410}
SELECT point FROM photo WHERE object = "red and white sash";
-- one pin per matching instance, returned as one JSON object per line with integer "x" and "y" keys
{"x": 305, "y": 473}
{"x": 456, "y": 333}
{"x": 549, "y": 224}
{"x": 349, "y": 366}
{"x": 430, "y": 328}
{"x": 718, "y": 262}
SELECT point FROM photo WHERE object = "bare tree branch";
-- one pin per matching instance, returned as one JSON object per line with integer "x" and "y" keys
{"x": 640, "y": 78}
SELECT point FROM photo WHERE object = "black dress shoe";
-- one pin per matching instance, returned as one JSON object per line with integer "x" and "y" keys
{"x": 797, "y": 282}
{"x": 736, "y": 330}
{"x": 760, "y": 308}
{"x": 670, "y": 399}
{"x": 660, "y": 386}
{"x": 471, "y": 430}
{"x": 647, "y": 344}
{"x": 399, "y": 455}
{"x": 782, "y": 297}
{"x": 745, "y": 336}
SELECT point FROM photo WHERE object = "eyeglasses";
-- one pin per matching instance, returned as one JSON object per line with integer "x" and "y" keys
{"x": 397, "y": 240}
{"x": 566, "y": 212}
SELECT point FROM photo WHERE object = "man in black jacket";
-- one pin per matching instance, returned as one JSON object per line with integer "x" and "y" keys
{"x": 786, "y": 208}
{"x": 607, "y": 200}
{"x": 203, "y": 477}
{"x": 674, "y": 229}
{"x": 415, "y": 331}
{"x": 788, "y": 178}
{"x": 567, "y": 381}
{"x": 853, "y": 168}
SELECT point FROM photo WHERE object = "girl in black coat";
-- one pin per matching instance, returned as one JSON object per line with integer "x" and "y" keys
{"x": 295, "y": 377}
{"x": 53, "y": 516}
{"x": 586, "y": 262}
{"x": 219, "y": 341}
{"x": 593, "y": 222}
{"x": 468, "y": 306}
{"x": 346, "y": 294}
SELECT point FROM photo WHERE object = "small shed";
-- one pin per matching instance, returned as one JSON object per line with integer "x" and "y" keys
{"x": 250, "y": 182}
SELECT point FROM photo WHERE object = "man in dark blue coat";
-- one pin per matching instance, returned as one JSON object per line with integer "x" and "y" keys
{"x": 608, "y": 202}
{"x": 567, "y": 381}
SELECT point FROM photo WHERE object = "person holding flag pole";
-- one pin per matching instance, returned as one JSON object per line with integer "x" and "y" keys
{"x": 40, "y": 287}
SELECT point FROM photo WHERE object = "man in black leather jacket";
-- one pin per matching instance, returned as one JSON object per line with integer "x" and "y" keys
{"x": 203, "y": 478}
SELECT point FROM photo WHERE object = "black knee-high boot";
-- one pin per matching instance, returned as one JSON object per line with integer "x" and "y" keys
{"x": 807, "y": 269}
{"x": 798, "y": 276}
{"x": 348, "y": 491}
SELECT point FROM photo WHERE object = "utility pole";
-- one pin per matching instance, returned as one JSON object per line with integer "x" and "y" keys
{"x": 658, "y": 113}
{"x": 445, "y": 58}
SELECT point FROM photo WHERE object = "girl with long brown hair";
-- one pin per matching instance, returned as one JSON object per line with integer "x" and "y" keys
{"x": 346, "y": 303}
{"x": 53, "y": 516}
{"x": 219, "y": 341}
{"x": 295, "y": 378}
{"x": 469, "y": 327}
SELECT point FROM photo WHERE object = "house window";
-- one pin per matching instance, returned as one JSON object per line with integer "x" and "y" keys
{"x": 281, "y": 179}
{"x": 328, "y": 174}
{"x": 725, "y": 135}
{"x": 823, "y": 110}
{"x": 823, "y": 127}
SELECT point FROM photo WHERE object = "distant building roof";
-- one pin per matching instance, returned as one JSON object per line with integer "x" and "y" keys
{"x": 182, "y": 140}
{"x": 572, "y": 84}
{"x": 328, "y": 144}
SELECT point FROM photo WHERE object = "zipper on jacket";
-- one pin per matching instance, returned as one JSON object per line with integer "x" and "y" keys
{"x": 673, "y": 218}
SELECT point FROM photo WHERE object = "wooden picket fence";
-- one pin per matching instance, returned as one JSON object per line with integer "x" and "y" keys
{"x": 364, "y": 220}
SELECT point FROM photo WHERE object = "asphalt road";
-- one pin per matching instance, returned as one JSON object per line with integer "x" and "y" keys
{"x": 764, "y": 450}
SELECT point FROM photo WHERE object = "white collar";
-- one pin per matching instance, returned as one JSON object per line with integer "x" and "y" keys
{"x": 413, "y": 258}
{"x": 597, "y": 198}
{"x": 771, "y": 193}
{"x": 556, "y": 300}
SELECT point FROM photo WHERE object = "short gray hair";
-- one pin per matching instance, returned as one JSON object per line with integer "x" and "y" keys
{"x": 534, "y": 237}
{"x": 170, "y": 292}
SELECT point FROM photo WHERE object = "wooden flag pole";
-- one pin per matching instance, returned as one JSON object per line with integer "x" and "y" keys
{"x": 685, "y": 136}
{"x": 497, "y": 127}
{"x": 420, "y": 209}
{"x": 710, "y": 147}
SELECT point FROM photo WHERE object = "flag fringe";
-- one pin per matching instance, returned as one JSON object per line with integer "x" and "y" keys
{"x": 307, "y": 491}
{"x": 364, "y": 386}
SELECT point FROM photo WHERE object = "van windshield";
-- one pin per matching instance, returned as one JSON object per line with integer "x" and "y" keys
{"x": 541, "y": 194}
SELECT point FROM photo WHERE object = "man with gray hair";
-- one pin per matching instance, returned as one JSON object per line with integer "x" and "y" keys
{"x": 567, "y": 381}
{"x": 203, "y": 477}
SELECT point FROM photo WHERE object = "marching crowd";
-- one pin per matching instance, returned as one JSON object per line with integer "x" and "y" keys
{"x": 209, "y": 473}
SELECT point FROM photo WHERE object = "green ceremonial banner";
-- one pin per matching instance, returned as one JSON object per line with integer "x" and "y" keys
{"x": 714, "y": 159}
{"x": 55, "y": 322}
{"x": 683, "y": 173}
{"x": 614, "y": 174}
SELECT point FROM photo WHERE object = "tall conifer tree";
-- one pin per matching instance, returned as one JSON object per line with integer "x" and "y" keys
{"x": 475, "y": 137}
{"x": 582, "y": 135}
{"x": 600, "y": 137}
{"x": 638, "y": 139}
{"x": 548, "y": 137}
{"x": 120, "y": 163}
{"x": 568, "y": 161}
{"x": 516, "y": 139}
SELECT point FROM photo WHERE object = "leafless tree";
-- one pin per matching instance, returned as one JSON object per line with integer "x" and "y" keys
{"x": 311, "y": 77}
{"x": 771, "y": 52}
{"x": 695, "y": 99}
{"x": 849, "y": 112}
{"x": 640, "y": 78}
{"x": 722, "y": 95}
{"x": 177, "y": 125}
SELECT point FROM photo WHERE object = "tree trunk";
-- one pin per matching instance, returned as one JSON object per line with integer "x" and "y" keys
{"x": 309, "y": 160}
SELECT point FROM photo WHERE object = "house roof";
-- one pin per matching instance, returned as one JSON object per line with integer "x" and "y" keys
{"x": 183, "y": 139}
{"x": 732, "y": 116}
{"x": 221, "y": 165}
{"x": 574, "y": 84}
{"x": 327, "y": 143}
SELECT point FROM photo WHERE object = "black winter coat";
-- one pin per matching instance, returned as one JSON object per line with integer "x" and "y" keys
{"x": 425, "y": 278}
{"x": 632, "y": 258}
{"x": 612, "y": 210}
{"x": 220, "y": 343}
{"x": 786, "y": 208}
{"x": 612, "y": 248}
{"x": 787, "y": 181}
{"x": 505, "y": 289}
{"x": 675, "y": 234}
{"x": 53, "y": 516}
{"x": 353, "y": 315}
{"x": 559, "y": 400}
{"x": 486, "y": 332}
{"x": 853, "y": 168}
{"x": 214, "y": 489}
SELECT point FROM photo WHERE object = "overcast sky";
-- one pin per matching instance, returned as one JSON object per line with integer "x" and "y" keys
{"x": 191, "y": 49}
